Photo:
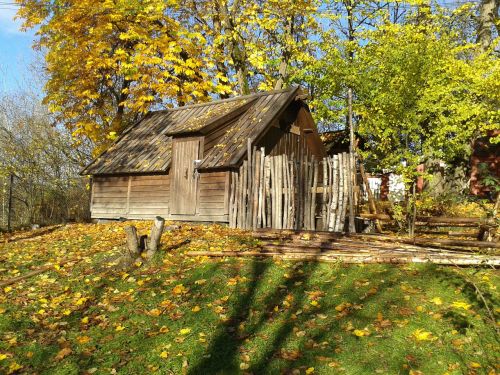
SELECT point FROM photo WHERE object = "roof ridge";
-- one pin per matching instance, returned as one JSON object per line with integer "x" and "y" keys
{"x": 234, "y": 98}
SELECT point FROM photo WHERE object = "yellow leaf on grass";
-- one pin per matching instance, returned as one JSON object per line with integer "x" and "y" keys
{"x": 314, "y": 303}
{"x": 244, "y": 366}
{"x": 437, "y": 301}
{"x": 360, "y": 333}
{"x": 343, "y": 306}
{"x": 200, "y": 282}
{"x": 155, "y": 312}
{"x": 475, "y": 365}
{"x": 119, "y": 328}
{"x": 164, "y": 329}
{"x": 164, "y": 354}
{"x": 185, "y": 331}
{"x": 421, "y": 335}
{"x": 179, "y": 289}
{"x": 85, "y": 320}
{"x": 310, "y": 370}
{"x": 83, "y": 339}
{"x": 3, "y": 356}
{"x": 461, "y": 305}
{"x": 13, "y": 367}
{"x": 196, "y": 308}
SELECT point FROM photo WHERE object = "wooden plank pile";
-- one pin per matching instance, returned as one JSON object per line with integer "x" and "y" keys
{"x": 284, "y": 192}
{"x": 356, "y": 248}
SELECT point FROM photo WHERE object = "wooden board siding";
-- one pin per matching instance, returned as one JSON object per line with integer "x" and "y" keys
{"x": 149, "y": 197}
{"x": 109, "y": 197}
{"x": 144, "y": 197}
{"x": 213, "y": 194}
{"x": 300, "y": 139}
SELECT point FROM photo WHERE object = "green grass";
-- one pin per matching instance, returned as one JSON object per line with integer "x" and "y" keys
{"x": 255, "y": 316}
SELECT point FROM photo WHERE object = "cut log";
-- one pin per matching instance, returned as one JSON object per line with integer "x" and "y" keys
{"x": 350, "y": 258}
{"x": 132, "y": 242}
{"x": 155, "y": 237}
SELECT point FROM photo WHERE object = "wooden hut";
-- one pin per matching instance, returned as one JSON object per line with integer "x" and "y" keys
{"x": 177, "y": 163}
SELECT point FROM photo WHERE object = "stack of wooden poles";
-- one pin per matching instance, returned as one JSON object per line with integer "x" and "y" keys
{"x": 284, "y": 192}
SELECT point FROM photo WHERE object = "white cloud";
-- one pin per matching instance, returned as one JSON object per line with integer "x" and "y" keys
{"x": 7, "y": 23}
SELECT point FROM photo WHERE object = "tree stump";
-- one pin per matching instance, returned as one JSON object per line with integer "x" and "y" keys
{"x": 155, "y": 237}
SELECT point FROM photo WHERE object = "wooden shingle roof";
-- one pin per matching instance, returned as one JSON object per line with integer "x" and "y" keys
{"x": 146, "y": 146}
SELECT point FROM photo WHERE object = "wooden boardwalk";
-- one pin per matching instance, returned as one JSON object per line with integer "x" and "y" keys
{"x": 359, "y": 248}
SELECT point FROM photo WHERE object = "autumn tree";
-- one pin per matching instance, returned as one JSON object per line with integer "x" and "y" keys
{"x": 108, "y": 62}
{"x": 254, "y": 45}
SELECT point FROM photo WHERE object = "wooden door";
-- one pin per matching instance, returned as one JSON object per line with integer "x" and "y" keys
{"x": 183, "y": 179}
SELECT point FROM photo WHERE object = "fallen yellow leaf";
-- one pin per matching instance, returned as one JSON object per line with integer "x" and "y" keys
{"x": 185, "y": 331}
{"x": 196, "y": 308}
{"x": 83, "y": 339}
{"x": 461, "y": 305}
{"x": 164, "y": 354}
{"x": 359, "y": 333}
{"x": 437, "y": 301}
{"x": 421, "y": 335}
{"x": 310, "y": 370}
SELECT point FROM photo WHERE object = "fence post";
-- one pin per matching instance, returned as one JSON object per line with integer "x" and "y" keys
{"x": 9, "y": 215}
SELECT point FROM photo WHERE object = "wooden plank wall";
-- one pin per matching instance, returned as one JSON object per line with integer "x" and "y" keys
{"x": 214, "y": 193}
{"x": 291, "y": 145}
{"x": 149, "y": 196}
{"x": 109, "y": 197}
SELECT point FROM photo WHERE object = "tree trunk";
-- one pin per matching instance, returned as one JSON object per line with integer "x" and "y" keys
{"x": 488, "y": 14}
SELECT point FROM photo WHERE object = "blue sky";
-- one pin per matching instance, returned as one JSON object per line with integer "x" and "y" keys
{"x": 16, "y": 53}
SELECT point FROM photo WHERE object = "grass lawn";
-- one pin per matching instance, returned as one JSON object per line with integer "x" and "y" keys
{"x": 188, "y": 315}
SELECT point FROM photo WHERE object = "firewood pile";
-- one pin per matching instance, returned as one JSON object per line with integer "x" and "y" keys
{"x": 365, "y": 248}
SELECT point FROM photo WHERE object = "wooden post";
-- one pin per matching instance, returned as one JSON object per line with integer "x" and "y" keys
{"x": 339, "y": 227}
{"x": 248, "y": 223}
{"x": 260, "y": 209}
{"x": 9, "y": 215}
{"x": 350, "y": 189}
{"x": 293, "y": 186}
{"x": 256, "y": 182}
{"x": 371, "y": 199}
{"x": 268, "y": 213}
{"x": 314, "y": 165}
{"x": 324, "y": 199}
{"x": 286, "y": 205}
{"x": 345, "y": 201}
{"x": 279, "y": 191}
{"x": 155, "y": 236}
{"x": 132, "y": 242}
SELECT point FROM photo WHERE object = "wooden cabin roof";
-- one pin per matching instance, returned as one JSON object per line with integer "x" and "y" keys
{"x": 146, "y": 146}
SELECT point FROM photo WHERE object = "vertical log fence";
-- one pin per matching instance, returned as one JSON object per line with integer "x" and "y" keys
{"x": 284, "y": 192}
